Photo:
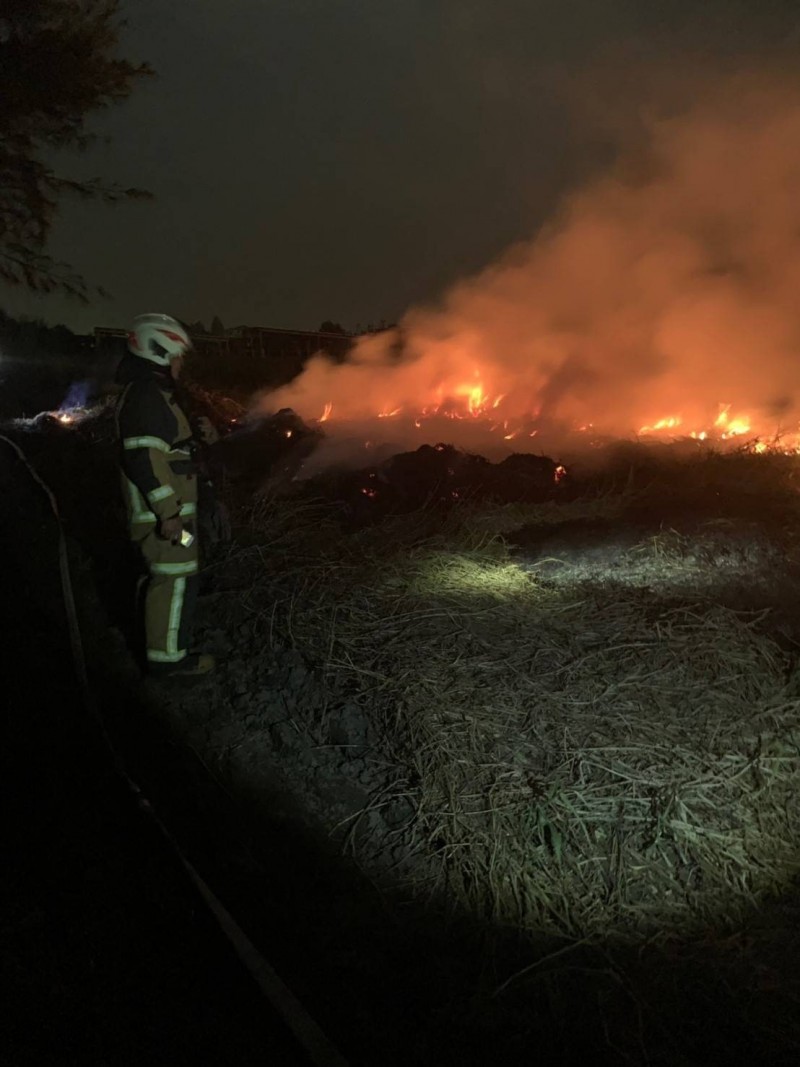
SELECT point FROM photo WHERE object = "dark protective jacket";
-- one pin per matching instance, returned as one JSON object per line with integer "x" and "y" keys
{"x": 158, "y": 472}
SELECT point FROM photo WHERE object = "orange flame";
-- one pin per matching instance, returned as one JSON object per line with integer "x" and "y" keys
{"x": 476, "y": 400}
{"x": 662, "y": 424}
{"x": 731, "y": 427}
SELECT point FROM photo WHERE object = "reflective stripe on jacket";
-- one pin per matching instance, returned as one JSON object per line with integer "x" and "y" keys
{"x": 159, "y": 478}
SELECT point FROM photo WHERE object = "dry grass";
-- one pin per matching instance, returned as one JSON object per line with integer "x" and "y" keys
{"x": 581, "y": 760}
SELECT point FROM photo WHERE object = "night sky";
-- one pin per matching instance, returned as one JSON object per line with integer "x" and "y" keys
{"x": 345, "y": 159}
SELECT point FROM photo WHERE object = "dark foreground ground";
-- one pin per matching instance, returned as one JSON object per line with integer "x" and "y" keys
{"x": 109, "y": 957}
{"x": 107, "y": 954}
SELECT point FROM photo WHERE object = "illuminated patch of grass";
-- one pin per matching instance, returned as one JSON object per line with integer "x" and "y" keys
{"x": 450, "y": 576}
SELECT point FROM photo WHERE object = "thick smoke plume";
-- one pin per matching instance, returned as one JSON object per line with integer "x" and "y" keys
{"x": 667, "y": 288}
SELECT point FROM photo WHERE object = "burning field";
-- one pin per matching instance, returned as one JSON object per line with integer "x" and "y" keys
{"x": 510, "y": 613}
{"x": 661, "y": 300}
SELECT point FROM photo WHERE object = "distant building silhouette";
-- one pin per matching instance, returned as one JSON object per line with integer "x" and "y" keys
{"x": 245, "y": 357}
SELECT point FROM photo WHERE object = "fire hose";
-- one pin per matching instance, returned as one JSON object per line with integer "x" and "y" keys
{"x": 306, "y": 1031}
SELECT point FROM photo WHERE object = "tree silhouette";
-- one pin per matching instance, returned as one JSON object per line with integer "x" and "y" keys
{"x": 58, "y": 64}
{"x": 216, "y": 327}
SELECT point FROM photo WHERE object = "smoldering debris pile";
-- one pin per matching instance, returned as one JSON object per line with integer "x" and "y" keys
{"x": 437, "y": 475}
{"x": 282, "y": 454}
{"x": 266, "y": 451}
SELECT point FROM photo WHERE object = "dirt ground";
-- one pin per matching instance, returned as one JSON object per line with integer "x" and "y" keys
{"x": 278, "y": 776}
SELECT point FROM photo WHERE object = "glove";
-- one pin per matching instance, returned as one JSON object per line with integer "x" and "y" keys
{"x": 170, "y": 529}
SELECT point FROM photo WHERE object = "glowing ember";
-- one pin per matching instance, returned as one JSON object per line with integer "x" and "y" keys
{"x": 559, "y": 473}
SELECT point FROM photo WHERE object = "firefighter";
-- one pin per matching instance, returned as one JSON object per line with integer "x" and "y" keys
{"x": 160, "y": 485}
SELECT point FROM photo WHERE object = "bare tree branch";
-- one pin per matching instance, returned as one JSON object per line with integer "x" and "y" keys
{"x": 59, "y": 66}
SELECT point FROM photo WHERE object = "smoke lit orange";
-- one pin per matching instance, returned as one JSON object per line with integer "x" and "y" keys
{"x": 661, "y": 307}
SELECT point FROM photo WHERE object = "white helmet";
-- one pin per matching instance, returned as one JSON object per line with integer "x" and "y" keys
{"x": 158, "y": 338}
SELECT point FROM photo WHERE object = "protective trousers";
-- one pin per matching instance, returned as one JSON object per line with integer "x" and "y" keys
{"x": 170, "y": 595}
